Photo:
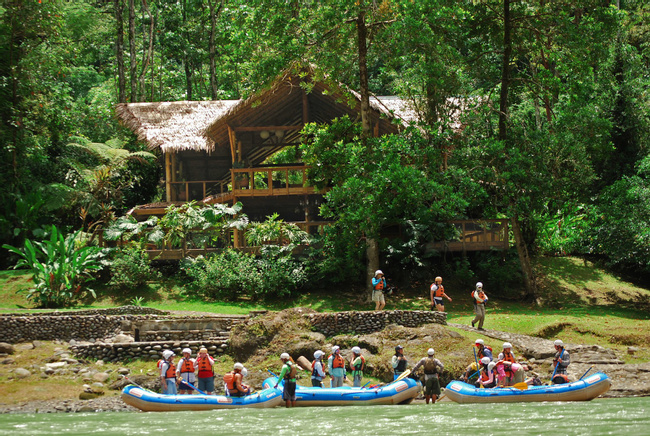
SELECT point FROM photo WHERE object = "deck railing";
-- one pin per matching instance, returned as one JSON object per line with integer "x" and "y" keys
{"x": 476, "y": 235}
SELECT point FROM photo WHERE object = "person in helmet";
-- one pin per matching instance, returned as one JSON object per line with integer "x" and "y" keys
{"x": 399, "y": 362}
{"x": 482, "y": 351}
{"x": 432, "y": 368}
{"x": 336, "y": 367}
{"x": 437, "y": 293}
{"x": 357, "y": 365}
{"x": 378, "y": 287}
{"x": 514, "y": 372}
{"x": 487, "y": 378}
{"x": 317, "y": 371}
{"x": 479, "y": 299}
{"x": 288, "y": 375}
{"x": 561, "y": 361}
{"x": 168, "y": 373}
{"x": 186, "y": 372}
{"x": 234, "y": 382}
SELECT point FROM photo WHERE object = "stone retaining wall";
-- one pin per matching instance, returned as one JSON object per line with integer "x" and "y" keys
{"x": 182, "y": 335}
{"x": 331, "y": 324}
{"x": 142, "y": 350}
{"x": 122, "y": 310}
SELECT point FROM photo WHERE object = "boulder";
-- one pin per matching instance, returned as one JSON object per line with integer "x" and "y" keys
{"x": 123, "y": 339}
{"x": 24, "y": 347}
{"x": 22, "y": 372}
{"x": 101, "y": 377}
{"x": 6, "y": 348}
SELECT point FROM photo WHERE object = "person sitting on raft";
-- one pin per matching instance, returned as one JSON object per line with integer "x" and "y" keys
{"x": 508, "y": 366}
{"x": 560, "y": 363}
{"x": 482, "y": 351}
{"x": 487, "y": 377}
{"x": 233, "y": 381}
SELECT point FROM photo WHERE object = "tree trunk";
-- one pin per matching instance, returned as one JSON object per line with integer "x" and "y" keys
{"x": 524, "y": 260}
{"x": 119, "y": 52}
{"x": 132, "y": 53}
{"x": 148, "y": 55}
{"x": 213, "y": 48}
{"x": 505, "y": 72}
{"x": 186, "y": 58}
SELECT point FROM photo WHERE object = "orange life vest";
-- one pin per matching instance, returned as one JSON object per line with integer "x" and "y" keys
{"x": 508, "y": 357}
{"x": 171, "y": 370}
{"x": 229, "y": 380}
{"x": 205, "y": 368}
{"x": 338, "y": 361}
{"x": 439, "y": 291}
{"x": 361, "y": 365}
{"x": 187, "y": 366}
{"x": 380, "y": 285}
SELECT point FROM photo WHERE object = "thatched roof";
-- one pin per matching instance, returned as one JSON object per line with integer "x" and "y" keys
{"x": 176, "y": 125}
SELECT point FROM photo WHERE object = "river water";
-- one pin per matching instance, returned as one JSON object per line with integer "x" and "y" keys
{"x": 624, "y": 416}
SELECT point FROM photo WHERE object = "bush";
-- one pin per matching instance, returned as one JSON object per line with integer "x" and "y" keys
{"x": 130, "y": 269}
{"x": 232, "y": 274}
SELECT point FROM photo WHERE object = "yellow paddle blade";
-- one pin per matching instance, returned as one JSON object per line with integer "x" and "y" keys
{"x": 523, "y": 386}
{"x": 403, "y": 375}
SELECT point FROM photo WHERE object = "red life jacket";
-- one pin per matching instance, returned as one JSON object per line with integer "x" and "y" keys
{"x": 205, "y": 368}
{"x": 439, "y": 291}
{"x": 508, "y": 357}
{"x": 380, "y": 285}
{"x": 338, "y": 361}
{"x": 187, "y": 366}
{"x": 229, "y": 380}
{"x": 360, "y": 366}
{"x": 171, "y": 370}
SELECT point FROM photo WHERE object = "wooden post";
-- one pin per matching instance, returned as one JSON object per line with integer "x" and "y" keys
{"x": 305, "y": 107}
{"x": 168, "y": 178}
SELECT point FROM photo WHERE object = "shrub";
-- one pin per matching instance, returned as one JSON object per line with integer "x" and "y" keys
{"x": 130, "y": 268}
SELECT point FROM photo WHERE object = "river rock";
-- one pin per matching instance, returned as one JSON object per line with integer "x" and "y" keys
{"x": 7, "y": 361}
{"x": 123, "y": 371}
{"x": 123, "y": 339}
{"x": 24, "y": 347}
{"x": 22, "y": 372}
{"x": 101, "y": 377}
{"x": 6, "y": 348}
{"x": 55, "y": 365}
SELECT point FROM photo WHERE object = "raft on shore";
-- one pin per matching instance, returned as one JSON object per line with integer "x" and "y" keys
{"x": 581, "y": 390}
{"x": 150, "y": 401}
{"x": 399, "y": 392}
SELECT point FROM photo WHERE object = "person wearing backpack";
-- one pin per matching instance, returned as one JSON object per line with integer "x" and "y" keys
{"x": 432, "y": 367}
{"x": 479, "y": 299}
{"x": 288, "y": 374}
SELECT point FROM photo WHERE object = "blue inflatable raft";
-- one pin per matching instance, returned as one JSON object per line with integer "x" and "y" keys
{"x": 400, "y": 392}
{"x": 150, "y": 401}
{"x": 581, "y": 390}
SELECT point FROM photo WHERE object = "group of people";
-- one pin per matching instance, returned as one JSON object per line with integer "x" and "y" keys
{"x": 505, "y": 371}
{"x": 182, "y": 378}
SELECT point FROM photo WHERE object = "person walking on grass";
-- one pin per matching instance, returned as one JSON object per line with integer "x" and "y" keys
{"x": 378, "y": 288}
{"x": 479, "y": 305}
{"x": 437, "y": 293}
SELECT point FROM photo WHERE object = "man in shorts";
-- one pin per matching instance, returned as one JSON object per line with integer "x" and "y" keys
{"x": 378, "y": 287}
{"x": 432, "y": 368}
{"x": 205, "y": 375}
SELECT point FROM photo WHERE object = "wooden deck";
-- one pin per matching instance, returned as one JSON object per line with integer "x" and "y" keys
{"x": 475, "y": 235}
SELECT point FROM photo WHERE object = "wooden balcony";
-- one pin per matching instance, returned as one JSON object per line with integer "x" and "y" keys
{"x": 475, "y": 235}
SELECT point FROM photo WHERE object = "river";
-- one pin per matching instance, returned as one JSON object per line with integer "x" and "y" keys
{"x": 622, "y": 416}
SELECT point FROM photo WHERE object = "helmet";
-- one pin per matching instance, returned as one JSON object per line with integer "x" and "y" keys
{"x": 285, "y": 356}
{"x": 438, "y": 278}
{"x": 398, "y": 348}
{"x": 491, "y": 366}
{"x": 507, "y": 345}
{"x": 378, "y": 272}
{"x": 238, "y": 366}
{"x": 485, "y": 360}
{"x": 167, "y": 354}
{"x": 203, "y": 350}
{"x": 318, "y": 354}
{"x": 558, "y": 343}
{"x": 479, "y": 285}
{"x": 335, "y": 348}
{"x": 244, "y": 372}
{"x": 187, "y": 350}
{"x": 479, "y": 342}
{"x": 431, "y": 352}
{"x": 356, "y": 350}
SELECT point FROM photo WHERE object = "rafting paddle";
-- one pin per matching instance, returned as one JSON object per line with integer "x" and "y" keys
{"x": 403, "y": 375}
{"x": 586, "y": 372}
{"x": 521, "y": 386}
{"x": 184, "y": 383}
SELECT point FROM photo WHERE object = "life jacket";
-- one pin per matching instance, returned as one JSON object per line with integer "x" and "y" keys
{"x": 560, "y": 379}
{"x": 229, "y": 380}
{"x": 508, "y": 357}
{"x": 361, "y": 365}
{"x": 187, "y": 366}
{"x": 439, "y": 290}
{"x": 401, "y": 365}
{"x": 338, "y": 361}
{"x": 380, "y": 285}
{"x": 293, "y": 370}
{"x": 485, "y": 376}
{"x": 171, "y": 370}
{"x": 205, "y": 368}
{"x": 314, "y": 373}
{"x": 430, "y": 366}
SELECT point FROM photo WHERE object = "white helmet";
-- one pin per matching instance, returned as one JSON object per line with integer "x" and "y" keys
{"x": 244, "y": 372}
{"x": 431, "y": 351}
{"x": 479, "y": 285}
{"x": 491, "y": 365}
{"x": 167, "y": 354}
{"x": 356, "y": 350}
{"x": 479, "y": 342}
{"x": 485, "y": 360}
{"x": 558, "y": 343}
{"x": 285, "y": 356}
{"x": 335, "y": 348}
{"x": 187, "y": 350}
{"x": 378, "y": 272}
{"x": 238, "y": 366}
{"x": 318, "y": 354}
{"x": 507, "y": 345}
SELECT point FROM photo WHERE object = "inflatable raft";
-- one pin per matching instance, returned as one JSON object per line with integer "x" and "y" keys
{"x": 150, "y": 401}
{"x": 399, "y": 392}
{"x": 581, "y": 390}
